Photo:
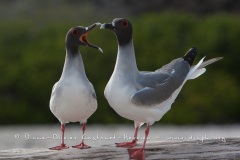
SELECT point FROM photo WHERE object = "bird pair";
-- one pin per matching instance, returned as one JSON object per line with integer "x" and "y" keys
{"x": 143, "y": 97}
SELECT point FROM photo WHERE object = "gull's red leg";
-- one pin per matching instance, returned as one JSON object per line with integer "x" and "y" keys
{"x": 130, "y": 144}
{"x": 82, "y": 145}
{"x": 61, "y": 146}
{"x": 138, "y": 153}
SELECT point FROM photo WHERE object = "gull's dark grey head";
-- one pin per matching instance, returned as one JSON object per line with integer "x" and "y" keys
{"x": 77, "y": 36}
{"x": 122, "y": 28}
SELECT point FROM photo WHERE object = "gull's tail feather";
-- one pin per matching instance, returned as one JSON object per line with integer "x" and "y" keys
{"x": 210, "y": 61}
{"x": 199, "y": 69}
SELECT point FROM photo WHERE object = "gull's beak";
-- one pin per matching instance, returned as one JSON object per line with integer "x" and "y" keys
{"x": 83, "y": 37}
{"x": 107, "y": 26}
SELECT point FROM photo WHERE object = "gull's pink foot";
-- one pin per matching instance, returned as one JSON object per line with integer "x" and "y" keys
{"x": 81, "y": 146}
{"x": 62, "y": 146}
{"x": 136, "y": 153}
{"x": 127, "y": 144}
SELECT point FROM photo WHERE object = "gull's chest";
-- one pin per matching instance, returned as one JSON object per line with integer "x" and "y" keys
{"x": 118, "y": 91}
{"x": 72, "y": 91}
{"x": 73, "y": 100}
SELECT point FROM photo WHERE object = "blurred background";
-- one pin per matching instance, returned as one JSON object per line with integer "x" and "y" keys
{"x": 32, "y": 54}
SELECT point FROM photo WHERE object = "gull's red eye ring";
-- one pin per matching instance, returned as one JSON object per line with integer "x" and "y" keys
{"x": 125, "y": 24}
{"x": 74, "y": 32}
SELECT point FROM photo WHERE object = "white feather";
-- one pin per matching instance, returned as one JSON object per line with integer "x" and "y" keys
{"x": 193, "y": 69}
{"x": 198, "y": 73}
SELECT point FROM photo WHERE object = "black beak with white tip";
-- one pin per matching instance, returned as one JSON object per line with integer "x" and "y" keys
{"x": 107, "y": 26}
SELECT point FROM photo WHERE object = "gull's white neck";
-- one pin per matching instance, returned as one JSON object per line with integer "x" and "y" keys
{"x": 126, "y": 61}
{"x": 73, "y": 65}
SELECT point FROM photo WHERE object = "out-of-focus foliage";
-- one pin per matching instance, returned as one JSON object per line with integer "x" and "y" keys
{"x": 32, "y": 55}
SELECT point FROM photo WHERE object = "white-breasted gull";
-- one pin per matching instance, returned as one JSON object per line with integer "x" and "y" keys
{"x": 144, "y": 97}
{"x": 73, "y": 97}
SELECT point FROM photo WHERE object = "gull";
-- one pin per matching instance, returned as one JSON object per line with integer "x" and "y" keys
{"x": 73, "y": 98}
{"x": 144, "y": 97}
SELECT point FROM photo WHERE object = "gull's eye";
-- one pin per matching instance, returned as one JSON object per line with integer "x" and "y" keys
{"x": 125, "y": 23}
{"x": 74, "y": 32}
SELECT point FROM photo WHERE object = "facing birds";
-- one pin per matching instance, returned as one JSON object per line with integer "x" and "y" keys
{"x": 144, "y": 97}
{"x": 73, "y": 98}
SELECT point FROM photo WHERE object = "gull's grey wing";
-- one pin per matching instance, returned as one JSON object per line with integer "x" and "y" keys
{"x": 54, "y": 90}
{"x": 154, "y": 79}
{"x": 159, "y": 86}
{"x": 93, "y": 91}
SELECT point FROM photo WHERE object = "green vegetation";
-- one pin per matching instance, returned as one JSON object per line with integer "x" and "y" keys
{"x": 32, "y": 57}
